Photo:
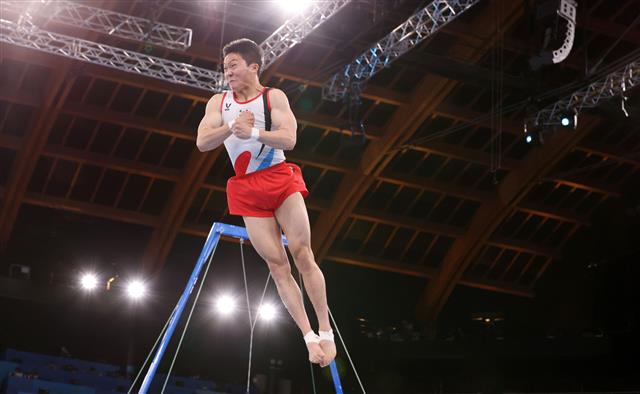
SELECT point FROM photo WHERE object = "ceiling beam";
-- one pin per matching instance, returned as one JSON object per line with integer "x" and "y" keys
{"x": 583, "y": 183}
{"x": 628, "y": 157}
{"x": 57, "y": 89}
{"x": 424, "y": 225}
{"x": 553, "y": 213}
{"x": 110, "y": 162}
{"x": 19, "y": 96}
{"x": 55, "y": 94}
{"x": 176, "y": 209}
{"x": 422, "y": 271}
{"x": 497, "y": 287}
{"x": 521, "y": 246}
{"x": 382, "y": 264}
{"x": 488, "y": 217}
{"x": 90, "y": 209}
{"x": 432, "y": 227}
{"x": 407, "y": 180}
{"x": 10, "y": 141}
{"x": 176, "y": 130}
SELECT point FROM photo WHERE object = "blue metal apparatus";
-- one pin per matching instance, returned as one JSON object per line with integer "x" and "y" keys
{"x": 217, "y": 230}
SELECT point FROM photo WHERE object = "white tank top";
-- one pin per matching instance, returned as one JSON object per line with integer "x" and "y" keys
{"x": 249, "y": 155}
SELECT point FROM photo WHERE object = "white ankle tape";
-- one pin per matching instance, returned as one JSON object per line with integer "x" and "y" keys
{"x": 311, "y": 337}
{"x": 326, "y": 335}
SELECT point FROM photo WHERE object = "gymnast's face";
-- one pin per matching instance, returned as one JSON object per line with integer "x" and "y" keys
{"x": 236, "y": 71}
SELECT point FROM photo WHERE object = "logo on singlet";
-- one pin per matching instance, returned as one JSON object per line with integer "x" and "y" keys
{"x": 227, "y": 106}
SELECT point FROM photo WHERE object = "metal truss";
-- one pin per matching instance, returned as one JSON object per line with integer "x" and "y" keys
{"x": 104, "y": 21}
{"x": 294, "y": 30}
{"x": 409, "y": 34}
{"x": 26, "y": 34}
{"x": 614, "y": 84}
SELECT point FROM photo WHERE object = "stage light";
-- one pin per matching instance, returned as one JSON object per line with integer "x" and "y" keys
{"x": 294, "y": 6}
{"x": 225, "y": 305}
{"x": 529, "y": 138}
{"x": 569, "y": 120}
{"x": 136, "y": 289}
{"x": 88, "y": 281}
{"x": 267, "y": 312}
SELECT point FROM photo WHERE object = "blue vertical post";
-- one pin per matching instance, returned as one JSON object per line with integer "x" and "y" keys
{"x": 212, "y": 241}
{"x": 217, "y": 230}
{"x": 336, "y": 377}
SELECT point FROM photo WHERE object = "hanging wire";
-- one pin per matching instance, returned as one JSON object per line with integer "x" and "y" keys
{"x": 492, "y": 111}
{"x": 344, "y": 345}
{"x": 611, "y": 47}
{"x": 497, "y": 95}
{"x": 498, "y": 159}
{"x": 244, "y": 276}
{"x": 144, "y": 364}
{"x": 252, "y": 321}
{"x": 224, "y": 22}
{"x": 246, "y": 292}
{"x": 193, "y": 306}
{"x": 605, "y": 163}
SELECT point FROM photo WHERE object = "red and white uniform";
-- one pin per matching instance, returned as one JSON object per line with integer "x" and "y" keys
{"x": 263, "y": 179}
{"x": 249, "y": 155}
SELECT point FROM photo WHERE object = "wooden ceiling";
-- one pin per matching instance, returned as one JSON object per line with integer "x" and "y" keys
{"x": 101, "y": 142}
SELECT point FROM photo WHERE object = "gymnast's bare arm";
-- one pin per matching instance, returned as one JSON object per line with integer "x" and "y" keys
{"x": 285, "y": 126}
{"x": 211, "y": 131}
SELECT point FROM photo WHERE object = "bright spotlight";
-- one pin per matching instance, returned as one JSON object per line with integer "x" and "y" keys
{"x": 225, "y": 305}
{"x": 528, "y": 138}
{"x": 136, "y": 289}
{"x": 294, "y": 6}
{"x": 88, "y": 281}
{"x": 569, "y": 120}
{"x": 267, "y": 312}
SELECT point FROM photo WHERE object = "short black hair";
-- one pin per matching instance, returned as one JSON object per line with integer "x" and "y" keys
{"x": 248, "y": 49}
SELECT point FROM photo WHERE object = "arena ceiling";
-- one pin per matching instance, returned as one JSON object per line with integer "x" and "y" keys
{"x": 457, "y": 210}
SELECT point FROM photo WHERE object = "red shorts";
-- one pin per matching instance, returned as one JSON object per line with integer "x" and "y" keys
{"x": 260, "y": 193}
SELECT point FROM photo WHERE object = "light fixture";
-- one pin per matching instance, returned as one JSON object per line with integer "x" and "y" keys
{"x": 529, "y": 138}
{"x": 294, "y": 6}
{"x": 88, "y": 281}
{"x": 267, "y": 312}
{"x": 225, "y": 305}
{"x": 136, "y": 289}
{"x": 568, "y": 119}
